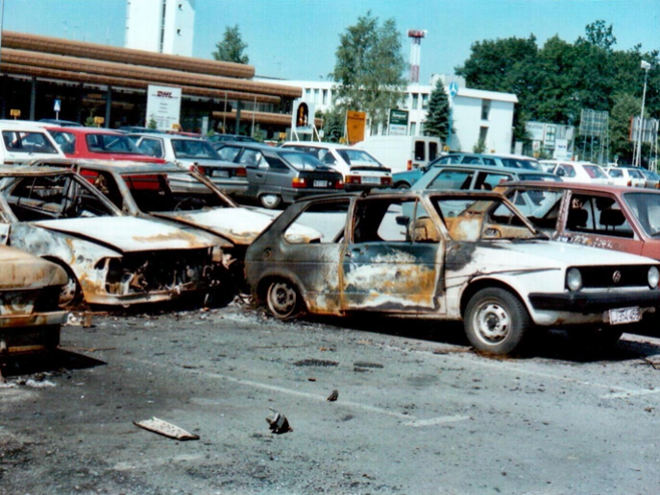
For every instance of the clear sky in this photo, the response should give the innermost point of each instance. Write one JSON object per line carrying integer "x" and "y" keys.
{"x": 297, "y": 39}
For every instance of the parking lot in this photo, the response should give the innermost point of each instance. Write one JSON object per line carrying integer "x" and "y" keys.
{"x": 416, "y": 411}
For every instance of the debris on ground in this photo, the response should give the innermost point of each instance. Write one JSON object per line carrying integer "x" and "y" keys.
{"x": 166, "y": 429}
{"x": 278, "y": 423}
{"x": 654, "y": 361}
{"x": 333, "y": 396}
{"x": 80, "y": 319}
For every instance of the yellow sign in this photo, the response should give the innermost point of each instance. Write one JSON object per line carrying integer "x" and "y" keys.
{"x": 99, "y": 120}
{"x": 355, "y": 124}
{"x": 15, "y": 112}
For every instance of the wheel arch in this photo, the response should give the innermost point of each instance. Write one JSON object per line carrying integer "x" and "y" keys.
{"x": 487, "y": 283}
{"x": 263, "y": 283}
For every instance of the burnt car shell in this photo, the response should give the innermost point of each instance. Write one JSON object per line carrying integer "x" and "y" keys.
{"x": 29, "y": 291}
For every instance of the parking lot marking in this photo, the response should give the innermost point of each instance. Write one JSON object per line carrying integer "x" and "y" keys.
{"x": 436, "y": 421}
{"x": 631, "y": 393}
{"x": 283, "y": 390}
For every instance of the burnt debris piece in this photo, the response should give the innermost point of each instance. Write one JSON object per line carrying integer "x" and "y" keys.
{"x": 333, "y": 396}
{"x": 278, "y": 423}
{"x": 166, "y": 429}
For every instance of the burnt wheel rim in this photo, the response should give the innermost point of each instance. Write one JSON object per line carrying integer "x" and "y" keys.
{"x": 282, "y": 299}
{"x": 492, "y": 323}
{"x": 68, "y": 292}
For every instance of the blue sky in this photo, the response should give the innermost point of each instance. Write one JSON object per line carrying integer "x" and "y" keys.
{"x": 297, "y": 39}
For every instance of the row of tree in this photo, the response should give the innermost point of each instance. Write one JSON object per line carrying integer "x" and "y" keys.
{"x": 553, "y": 82}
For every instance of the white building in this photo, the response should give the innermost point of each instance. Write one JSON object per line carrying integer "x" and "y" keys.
{"x": 476, "y": 114}
{"x": 163, "y": 26}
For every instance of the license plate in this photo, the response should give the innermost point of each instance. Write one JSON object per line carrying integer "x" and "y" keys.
{"x": 624, "y": 315}
{"x": 320, "y": 183}
{"x": 219, "y": 173}
{"x": 371, "y": 180}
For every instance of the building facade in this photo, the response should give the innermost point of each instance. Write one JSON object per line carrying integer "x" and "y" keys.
{"x": 479, "y": 118}
{"x": 162, "y": 26}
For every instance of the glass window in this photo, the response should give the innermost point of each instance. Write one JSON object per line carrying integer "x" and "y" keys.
{"x": 415, "y": 101}
{"x": 425, "y": 101}
{"x": 420, "y": 150}
{"x": 601, "y": 215}
{"x": 65, "y": 140}
{"x": 485, "y": 109}
{"x": 228, "y": 153}
{"x": 452, "y": 179}
{"x": 151, "y": 147}
{"x": 646, "y": 208}
{"x": 110, "y": 143}
{"x": 193, "y": 148}
{"x": 616, "y": 173}
{"x": 433, "y": 150}
{"x": 334, "y": 214}
{"x": 27, "y": 142}
{"x": 595, "y": 172}
{"x": 250, "y": 158}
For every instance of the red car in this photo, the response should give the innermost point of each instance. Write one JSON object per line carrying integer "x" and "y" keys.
{"x": 98, "y": 143}
{"x": 610, "y": 217}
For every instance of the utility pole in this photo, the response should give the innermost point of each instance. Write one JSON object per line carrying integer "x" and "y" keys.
{"x": 637, "y": 155}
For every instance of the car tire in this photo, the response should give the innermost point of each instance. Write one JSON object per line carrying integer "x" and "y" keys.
{"x": 270, "y": 201}
{"x": 496, "y": 321}
{"x": 401, "y": 185}
{"x": 283, "y": 300}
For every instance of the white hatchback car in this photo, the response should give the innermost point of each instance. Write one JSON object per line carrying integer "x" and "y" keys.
{"x": 361, "y": 170}
{"x": 24, "y": 141}
{"x": 580, "y": 172}
{"x": 629, "y": 177}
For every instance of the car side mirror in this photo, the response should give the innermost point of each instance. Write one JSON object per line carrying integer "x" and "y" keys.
{"x": 402, "y": 220}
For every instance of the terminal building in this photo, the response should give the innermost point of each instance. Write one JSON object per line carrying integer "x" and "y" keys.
{"x": 94, "y": 80}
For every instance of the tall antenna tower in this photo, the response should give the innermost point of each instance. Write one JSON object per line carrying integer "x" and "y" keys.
{"x": 416, "y": 36}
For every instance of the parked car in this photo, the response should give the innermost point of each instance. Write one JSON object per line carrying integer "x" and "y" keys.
{"x": 652, "y": 178}
{"x": 23, "y": 141}
{"x": 61, "y": 123}
{"x": 623, "y": 219}
{"x": 623, "y": 176}
{"x": 279, "y": 176}
{"x": 94, "y": 142}
{"x": 193, "y": 152}
{"x": 581, "y": 172}
{"x": 109, "y": 259}
{"x": 487, "y": 266}
{"x": 361, "y": 170}
{"x": 143, "y": 190}
{"x": 216, "y": 138}
{"x": 30, "y": 318}
{"x": 404, "y": 180}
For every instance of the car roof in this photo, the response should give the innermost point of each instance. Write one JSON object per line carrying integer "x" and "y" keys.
{"x": 317, "y": 144}
{"x": 123, "y": 166}
{"x": 579, "y": 186}
{"x": 165, "y": 135}
{"x": 492, "y": 168}
{"x": 86, "y": 130}
{"x": 31, "y": 170}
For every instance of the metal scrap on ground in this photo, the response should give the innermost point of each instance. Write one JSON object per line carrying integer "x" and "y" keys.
{"x": 166, "y": 429}
{"x": 333, "y": 396}
{"x": 278, "y": 423}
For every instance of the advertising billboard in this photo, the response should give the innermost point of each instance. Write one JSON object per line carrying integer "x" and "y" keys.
{"x": 163, "y": 106}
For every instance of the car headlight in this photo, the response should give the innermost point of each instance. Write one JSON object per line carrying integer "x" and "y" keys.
{"x": 653, "y": 277}
{"x": 574, "y": 279}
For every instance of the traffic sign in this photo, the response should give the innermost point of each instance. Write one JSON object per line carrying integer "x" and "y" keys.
{"x": 57, "y": 106}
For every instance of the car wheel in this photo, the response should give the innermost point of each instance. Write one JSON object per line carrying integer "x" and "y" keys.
{"x": 401, "y": 185}
{"x": 270, "y": 201}
{"x": 496, "y": 321}
{"x": 283, "y": 300}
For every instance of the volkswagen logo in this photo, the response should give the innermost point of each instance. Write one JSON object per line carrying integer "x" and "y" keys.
{"x": 616, "y": 277}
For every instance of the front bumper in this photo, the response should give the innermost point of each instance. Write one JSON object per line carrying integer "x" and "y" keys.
{"x": 585, "y": 302}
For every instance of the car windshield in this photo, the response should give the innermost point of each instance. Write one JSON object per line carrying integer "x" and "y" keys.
{"x": 475, "y": 219}
{"x": 303, "y": 161}
{"x": 595, "y": 172}
{"x": 193, "y": 148}
{"x": 646, "y": 209}
{"x": 110, "y": 143}
{"x": 358, "y": 157}
{"x": 27, "y": 142}
{"x": 152, "y": 194}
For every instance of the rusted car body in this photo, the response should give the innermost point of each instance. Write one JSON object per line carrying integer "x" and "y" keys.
{"x": 143, "y": 190}
{"x": 30, "y": 318}
{"x": 623, "y": 219}
{"x": 110, "y": 260}
{"x": 411, "y": 254}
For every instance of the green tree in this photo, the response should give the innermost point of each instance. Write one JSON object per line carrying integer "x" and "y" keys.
{"x": 333, "y": 124}
{"x": 437, "y": 116}
{"x": 369, "y": 69}
{"x": 625, "y": 107}
{"x": 230, "y": 49}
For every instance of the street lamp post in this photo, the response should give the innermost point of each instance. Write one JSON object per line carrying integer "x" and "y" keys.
{"x": 638, "y": 151}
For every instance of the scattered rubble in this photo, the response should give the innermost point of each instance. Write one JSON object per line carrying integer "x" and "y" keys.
{"x": 166, "y": 429}
{"x": 278, "y": 423}
{"x": 333, "y": 396}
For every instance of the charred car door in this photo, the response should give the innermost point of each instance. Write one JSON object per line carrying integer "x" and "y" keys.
{"x": 393, "y": 258}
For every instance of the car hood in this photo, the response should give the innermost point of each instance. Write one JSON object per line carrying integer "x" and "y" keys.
{"x": 21, "y": 270}
{"x": 127, "y": 234}
{"x": 534, "y": 255}
{"x": 239, "y": 225}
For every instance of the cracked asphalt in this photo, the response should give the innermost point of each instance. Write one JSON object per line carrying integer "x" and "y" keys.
{"x": 416, "y": 410}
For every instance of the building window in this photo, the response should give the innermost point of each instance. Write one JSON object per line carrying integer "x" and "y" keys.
{"x": 415, "y": 101}
{"x": 325, "y": 97}
{"x": 483, "y": 135}
{"x": 162, "y": 26}
{"x": 413, "y": 128}
{"x": 425, "y": 101}
{"x": 485, "y": 109}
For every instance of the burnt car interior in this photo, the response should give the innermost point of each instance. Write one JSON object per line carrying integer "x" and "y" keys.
{"x": 52, "y": 197}
{"x": 152, "y": 192}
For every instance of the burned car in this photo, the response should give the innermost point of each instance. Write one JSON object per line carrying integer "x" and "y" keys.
{"x": 411, "y": 254}
{"x": 30, "y": 318}
{"x": 109, "y": 259}
{"x": 144, "y": 190}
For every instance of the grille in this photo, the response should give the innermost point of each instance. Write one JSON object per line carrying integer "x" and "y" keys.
{"x": 602, "y": 277}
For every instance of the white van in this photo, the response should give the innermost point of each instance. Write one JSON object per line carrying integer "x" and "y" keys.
{"x": 23, "y": 141}
{"x": 401, "y": 153}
